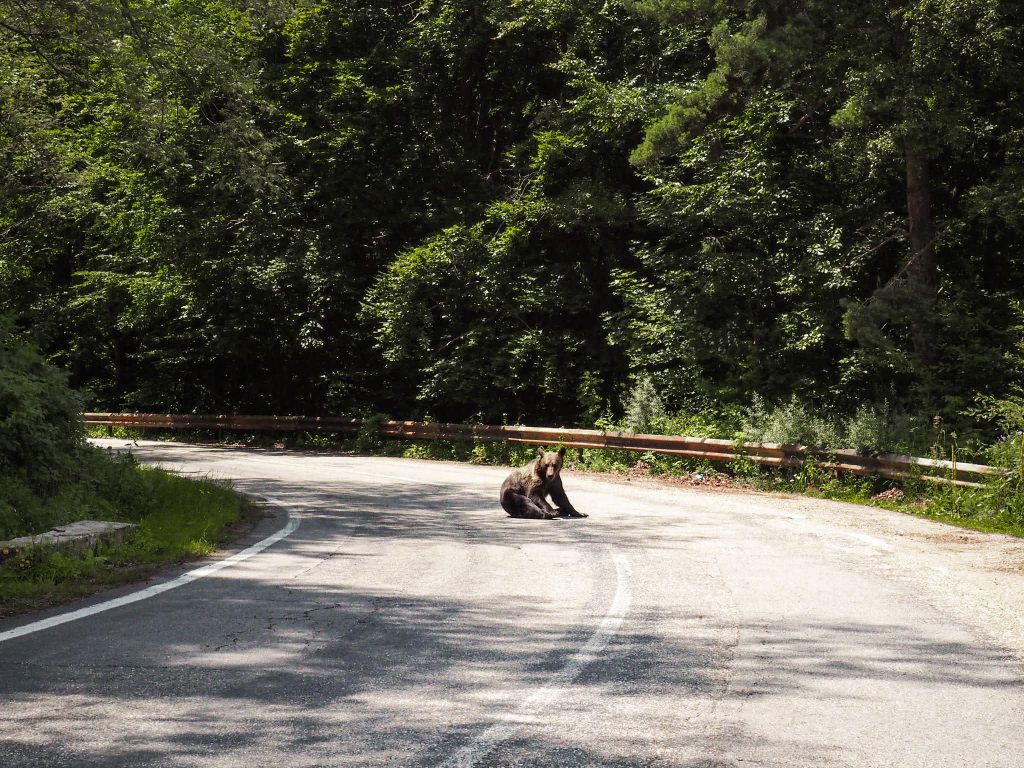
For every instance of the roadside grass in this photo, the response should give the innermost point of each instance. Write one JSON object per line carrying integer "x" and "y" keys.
{"x": 178, "y": 519}
{"x": 998, "y": 507}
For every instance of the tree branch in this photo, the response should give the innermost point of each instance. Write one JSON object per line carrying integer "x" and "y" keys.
{"x": 38, "y": 50}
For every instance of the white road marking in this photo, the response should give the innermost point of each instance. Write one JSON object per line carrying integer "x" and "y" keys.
{"x": 877, "y": 543}
{"x": 537, "y": 704}
{"x": 156, "y": 589}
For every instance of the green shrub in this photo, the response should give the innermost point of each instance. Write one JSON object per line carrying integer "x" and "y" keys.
{"x": 502, "y": 453}
{"x": 1008, "y": 415}
{"x": 645, "y": 412}
{"x": 873, "y": 428}
{"x": 792, "y": 422}
{"x": 40, "y": 426}
{"x": 369, "y": 437}
{"x": 870, "y": 430}
{"x": 702, "y": 423}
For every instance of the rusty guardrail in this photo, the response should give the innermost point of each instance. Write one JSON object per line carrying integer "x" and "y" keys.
{"x": 770, "y": 454}
{"x": 239, "y": 423}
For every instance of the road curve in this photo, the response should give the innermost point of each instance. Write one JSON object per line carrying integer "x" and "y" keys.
{"x": 406, "y": 621}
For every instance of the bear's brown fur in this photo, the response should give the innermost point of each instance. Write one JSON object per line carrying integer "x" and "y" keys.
{"x": 524, "y": 492}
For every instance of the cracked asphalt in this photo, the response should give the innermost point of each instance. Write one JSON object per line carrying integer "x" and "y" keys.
{"x": 408, "y": 621}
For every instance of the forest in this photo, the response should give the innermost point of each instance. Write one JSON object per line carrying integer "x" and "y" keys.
{"x": 519, "y": 211}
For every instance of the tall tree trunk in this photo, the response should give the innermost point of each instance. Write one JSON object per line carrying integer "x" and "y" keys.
{"x": 922, "y": 273}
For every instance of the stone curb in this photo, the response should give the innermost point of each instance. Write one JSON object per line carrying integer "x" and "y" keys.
{"x": 73, "y": 537}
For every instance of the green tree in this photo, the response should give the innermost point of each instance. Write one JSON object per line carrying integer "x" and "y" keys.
{"x": 512, "y": 211}
{"x": 829, "y": 157}
{"x": 503, "y": 316}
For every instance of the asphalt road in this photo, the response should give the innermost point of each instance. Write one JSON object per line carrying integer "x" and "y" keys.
{"x": 406, "y": 621}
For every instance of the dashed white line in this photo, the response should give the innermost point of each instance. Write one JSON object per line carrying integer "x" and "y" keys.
{"x": 541, "y": 700}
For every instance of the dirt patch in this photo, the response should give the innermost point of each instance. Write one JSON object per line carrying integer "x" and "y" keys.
{"x": 952, "y": 538}
{"x": 696, "y": 480}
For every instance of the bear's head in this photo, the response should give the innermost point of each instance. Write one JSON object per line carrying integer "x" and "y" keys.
{"x": 549, "y": 463}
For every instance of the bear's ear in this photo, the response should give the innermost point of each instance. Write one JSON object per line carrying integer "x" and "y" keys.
{"x": 540, "y": 453}
{"x": 561, "y": 451}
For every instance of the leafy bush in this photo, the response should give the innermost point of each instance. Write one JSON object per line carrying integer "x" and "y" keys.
{"x": 441, "y": 450}
{"x": 1008, "y": 414}
{"x": 43, "y": 453}
{"x": 873, "y": 428}
{"x": 703, "y": 424}
{"x": 502, "y": 453}
{"x": 645, "y": 412}
{"x": 369, "y": 437}
{"x": 793, "y": 422}
{"x": 40, "y": 427}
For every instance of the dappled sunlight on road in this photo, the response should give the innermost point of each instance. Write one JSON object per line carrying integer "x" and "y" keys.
{"x": 401, "y": 621}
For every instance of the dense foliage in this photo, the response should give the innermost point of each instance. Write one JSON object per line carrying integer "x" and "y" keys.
{"x": 40, "y": 431}
{"x": 516, "y": 210}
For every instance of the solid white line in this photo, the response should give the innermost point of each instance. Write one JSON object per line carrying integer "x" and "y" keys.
{"x": 534, "y": 708}
{"x": 156, "y": 589}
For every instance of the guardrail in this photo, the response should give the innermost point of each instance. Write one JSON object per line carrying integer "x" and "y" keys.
{"x": 770, "y": 454}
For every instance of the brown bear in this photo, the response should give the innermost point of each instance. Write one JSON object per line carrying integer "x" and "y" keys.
{"x": 523, "y": 492}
